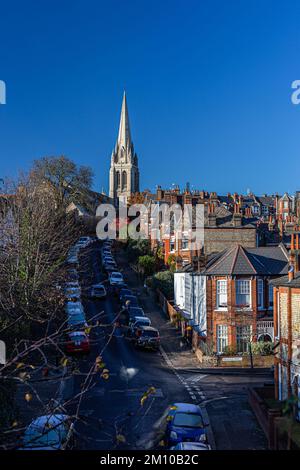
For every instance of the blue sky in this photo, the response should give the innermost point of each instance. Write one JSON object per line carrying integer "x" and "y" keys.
{"x": 208, "y": 86}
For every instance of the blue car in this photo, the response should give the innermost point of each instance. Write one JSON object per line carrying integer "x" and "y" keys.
{"x": 76, "y": 320}
{"x": 185, "y": 424}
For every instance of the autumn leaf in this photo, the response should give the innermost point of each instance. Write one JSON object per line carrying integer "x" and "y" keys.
{"x": 143, "y": 399}
{"x": 24, "y": 375}
{"x": 28, "y": 397}
{"x": 120, "y": 438}
{"x": 64, "y": 361}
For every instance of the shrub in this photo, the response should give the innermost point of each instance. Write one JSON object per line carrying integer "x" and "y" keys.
{"x": 137, "y": 248}
{"x": 146, "y": 264}
{"x": 263, "y": 348}
{"x": 164, "y": 281}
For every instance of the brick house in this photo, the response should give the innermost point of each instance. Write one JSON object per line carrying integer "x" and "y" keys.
{"x": 287, "y": 327}
{"x": 237, "y": 301}
{"x": 222, "y": 229}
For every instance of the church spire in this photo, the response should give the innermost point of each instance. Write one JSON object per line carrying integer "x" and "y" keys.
{"x": 124, "y": 137}
{"x": 124, "y": 171}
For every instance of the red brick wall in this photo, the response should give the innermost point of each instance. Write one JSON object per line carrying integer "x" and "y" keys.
{"x": 230, "y": 317}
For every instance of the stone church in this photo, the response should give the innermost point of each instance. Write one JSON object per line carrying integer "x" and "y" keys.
{"x": 124, "y": 171}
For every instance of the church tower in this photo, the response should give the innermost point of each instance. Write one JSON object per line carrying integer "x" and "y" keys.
{"x": 124, "y": 172}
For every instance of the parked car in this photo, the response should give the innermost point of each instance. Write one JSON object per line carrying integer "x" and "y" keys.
{"x": 185, "y": 423}
{"x": 123, "y": 292}
{"x": 86, "y": 240}
{"x": 72, "y": 260}
{"x": 109, "y": 261}
{"x": 117, "y": 289}
{"x": 129, "y": 301}
{"x": 146, "y": 337}
{"x": 186, "y": 446}
{"x": 74, "y": 307}
{"x": 72, "y": 284}
{"x": 77, "y": 342}
{"x": 77, "y": 320}
{"x": 49, "y": 432}
{"x": 109, "y": 268}
{"x": 115, "y": 278}
{"x": 128, "y": 313}
{"x": 72, "y": 293}
{"x": 137, "y": 322}
{"x": 98, "y": 291}
{"x": 73, "y": 274}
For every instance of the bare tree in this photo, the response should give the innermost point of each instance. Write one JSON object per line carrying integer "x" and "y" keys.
{"x": 65, "y": 178}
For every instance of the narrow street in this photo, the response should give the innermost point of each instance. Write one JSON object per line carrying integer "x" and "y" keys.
{"x": 111, "y": 412}
{"x": 112, "y": 407}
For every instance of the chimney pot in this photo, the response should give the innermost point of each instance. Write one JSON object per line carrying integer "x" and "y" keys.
{"x": 291, "y": 273}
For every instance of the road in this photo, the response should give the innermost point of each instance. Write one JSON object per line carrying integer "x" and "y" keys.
{"x": 112, "y": 407}
{"x": 111, "y": 412}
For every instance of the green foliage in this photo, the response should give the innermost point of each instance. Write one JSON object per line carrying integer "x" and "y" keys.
{"x": 171, "y": 262}
{"x": 137, "y": 248}
{"x": 164, "y": 281}
{"x": 262, "y": 348}
{"x": 147, "y": 264}
{"x": 230, "y": 351}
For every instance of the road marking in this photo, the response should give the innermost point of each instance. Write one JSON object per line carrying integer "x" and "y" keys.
{"x": 188, "y": 384}
{"x": 198, "y": 378}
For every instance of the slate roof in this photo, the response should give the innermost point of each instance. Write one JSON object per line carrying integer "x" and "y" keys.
{"x": 284, "y": 281}
{"x": 266, "y": 200}
{"x": 261, "y": 261}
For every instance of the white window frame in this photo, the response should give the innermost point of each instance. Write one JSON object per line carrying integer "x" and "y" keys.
{"x": 243, "y": 337}
{"x": 243, "y": 287}
{"x": 221, "y": 291}
{"x": 260, "y": 294}
{"x": 222, "y": 338}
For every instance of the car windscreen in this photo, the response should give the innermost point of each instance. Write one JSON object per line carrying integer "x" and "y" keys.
{"x": 188, "y": 420}
{"x": 142, "y": 322}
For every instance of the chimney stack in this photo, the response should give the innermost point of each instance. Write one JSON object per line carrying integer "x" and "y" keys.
{"x": 212, "y": 218}
{"x": 237, "y": 216}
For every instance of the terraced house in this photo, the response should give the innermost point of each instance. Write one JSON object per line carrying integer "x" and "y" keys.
{"x": 234, "y": 299}
{"x": 287, "y": 328}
